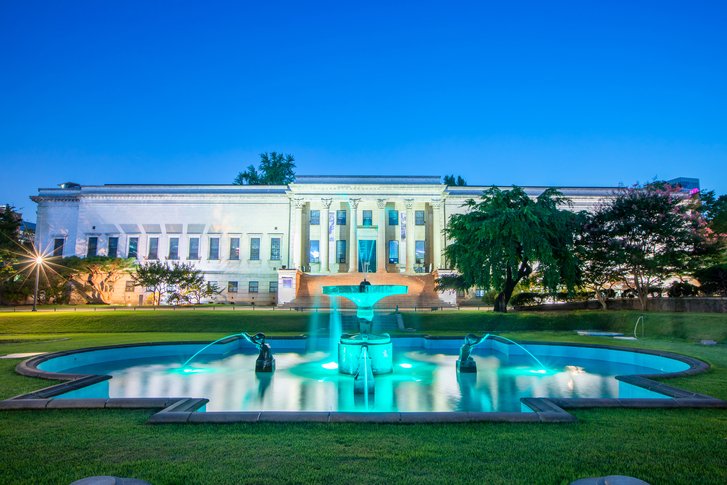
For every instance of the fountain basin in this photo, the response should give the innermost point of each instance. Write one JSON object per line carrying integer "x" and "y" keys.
{"x": 379, "y": 349}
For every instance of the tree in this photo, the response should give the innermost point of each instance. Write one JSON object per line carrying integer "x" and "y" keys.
{"x": 451, "y": 181}
{"x": 713, "y": 280}
{"x": 594, "y": 251}
{"x": 714, "y": 211}
{"x": 505, "y": 236}
{"x": 275, "y": 169}
{"x": 154, "y": 277}
{"x": 652, "y": 236}
{"x": 95, "y": 277}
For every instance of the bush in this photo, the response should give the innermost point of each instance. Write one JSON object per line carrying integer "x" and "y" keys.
{"x": 680, "y": 289}
{"x": 713, "y": 280}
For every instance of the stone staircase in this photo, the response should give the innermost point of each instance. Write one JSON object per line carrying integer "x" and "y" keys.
{"x": 421, "y": 293}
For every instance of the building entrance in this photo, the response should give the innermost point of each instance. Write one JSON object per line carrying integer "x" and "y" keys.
{"x": 367, "y": 256}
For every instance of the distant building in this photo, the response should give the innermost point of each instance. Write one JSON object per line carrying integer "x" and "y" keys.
{"x": 274, "y": 244}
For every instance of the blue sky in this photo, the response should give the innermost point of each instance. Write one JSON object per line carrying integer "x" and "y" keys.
{"x": 527, "y": 93}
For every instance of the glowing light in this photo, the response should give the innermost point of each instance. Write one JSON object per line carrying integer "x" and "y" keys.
{"x": 538, "y": 371}
{"x": 405, "y": 366}
{"x": 39, "y": 259}
{"x": 330, "y": 365}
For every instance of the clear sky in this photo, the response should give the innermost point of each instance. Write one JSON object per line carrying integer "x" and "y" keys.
{"x": 527, "y": 93}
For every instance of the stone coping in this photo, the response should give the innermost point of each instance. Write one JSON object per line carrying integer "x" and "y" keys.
{"x": 186, "y": 409}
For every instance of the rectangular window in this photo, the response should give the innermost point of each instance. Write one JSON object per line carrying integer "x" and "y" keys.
{"x": 232, "y": 287}
{"x": 214, "y": 248}
{"x": 113, "y": 247}
{"x": 419, "y": 218}
{"x": 341, "y": 251}
{"x": 273, "y": 288}
{"x": 58, "y": 247}
{"x": 254, "y": 248}
{"x": 92, "y": 247}
{"x": 129, "y": 288}
{"x": 367, "y": 218}
{"x": 479, "y": 293}
{"x": 393, "y": 217}
{"x": 193, "y": 248}
{"x": 133, "y": 247}
{"x": 275, "y": 249}
{"x": 394, "y": 252}
{"x": 252, "y": 287}
{"x": 235, "y": 248}
{"x": 173, "y": 248}
{"x": 287, "y": 282}
{"x": 314, "y": 255}
{"x": 153, "y": 248}
{"x": 341, "y": 218}
{"x": 315, "y": 218}
{"x": 419, "y": 252}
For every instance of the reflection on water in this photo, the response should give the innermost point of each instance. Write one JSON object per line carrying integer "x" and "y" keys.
{"x": 421, "y": 381}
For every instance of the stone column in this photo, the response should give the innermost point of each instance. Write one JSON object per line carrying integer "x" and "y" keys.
{"x": 353, "y": 236}
{"x": 297, "y": 235}
{"x": 436, "y": 234}
{"x": 325, "y": 243}
{"x": 381, "y": 237}
{"x": 410, "y": 238}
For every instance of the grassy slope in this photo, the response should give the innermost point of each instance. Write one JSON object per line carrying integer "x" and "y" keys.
{"x": 660, "y": 446}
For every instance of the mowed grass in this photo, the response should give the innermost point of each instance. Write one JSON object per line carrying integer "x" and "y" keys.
{"x": 656, "y": 445}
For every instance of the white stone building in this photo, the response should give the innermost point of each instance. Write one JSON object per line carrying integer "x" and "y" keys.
{"x": 271, "y": 244}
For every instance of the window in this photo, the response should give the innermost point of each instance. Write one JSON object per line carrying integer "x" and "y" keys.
{"x": 129, "y": 288}
{"x": 419, "y": 252}
{"x": 315, "y": 218}
{"x": 393, "y": 217}
{"x": 232, "y": 287}
{"x": 275, "y": 249}
{"x": 92, "y": 247}
{"x": 273, "y": 288}
{"x": 419, "y": 218}
{"x": 193, "y": 248}
{"x": 367, "y": 216}
{"x": 173, "y": 248}
{"x": 133, "y": 247}
{"x": 393, "y": 252}
{"x": 287, "y": 282}
{"x": 214, "y": 248}
{"x": 314, "y": 255}
{"x": 153, "y": 248}
{"x": 235, "y": 248}
{"x": 479, "y": 293}
{"x": 58, "y": 247}
{"x": 113, "y": 247}
{"x": 252, "y": 287}
{"x": 341, "y": 218}
{"x": 341, "y": 251}
{"x": 255, "y": 249}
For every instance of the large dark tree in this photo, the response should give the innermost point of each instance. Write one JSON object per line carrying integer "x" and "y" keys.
{"x": 599, "y": 268}
{"x": 274, "y": 169}
{"x": 95, "y": 277}
{"x": 452, "y": 181}
{"x": 653, "y": 236}
{"x": 506, "y": 236}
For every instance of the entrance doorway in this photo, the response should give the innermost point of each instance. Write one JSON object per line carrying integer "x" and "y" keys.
{"x": 367, "y": 256}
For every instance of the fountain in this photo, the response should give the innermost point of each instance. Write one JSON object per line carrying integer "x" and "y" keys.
{"x": 364, "y": 354}
{"x": 265, "y": 361}
{"x": 465, "y": 362}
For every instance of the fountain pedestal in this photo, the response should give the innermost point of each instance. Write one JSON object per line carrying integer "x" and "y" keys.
{"x": 379, "y": 350}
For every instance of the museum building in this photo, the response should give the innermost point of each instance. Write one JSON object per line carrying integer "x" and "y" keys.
{"x": 273, "y": 244}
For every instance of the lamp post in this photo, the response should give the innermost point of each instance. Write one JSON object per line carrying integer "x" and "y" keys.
{"x": 38, "y": 263}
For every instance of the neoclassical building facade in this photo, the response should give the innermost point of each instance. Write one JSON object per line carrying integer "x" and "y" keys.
{"x": 261, "y": 243}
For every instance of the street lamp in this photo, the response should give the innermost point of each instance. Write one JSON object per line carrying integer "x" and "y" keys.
{"x": 38, "y": 264}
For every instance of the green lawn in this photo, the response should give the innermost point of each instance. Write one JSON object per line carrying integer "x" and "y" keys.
{"x": 659, "y": 446}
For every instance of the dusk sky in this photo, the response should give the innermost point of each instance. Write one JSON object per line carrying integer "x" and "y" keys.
{"x": 528, "y": 93}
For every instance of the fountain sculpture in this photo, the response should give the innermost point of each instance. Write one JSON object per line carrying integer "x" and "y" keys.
{"x": 265, "y": 361}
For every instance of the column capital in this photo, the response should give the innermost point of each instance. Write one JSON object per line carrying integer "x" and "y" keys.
{"x": 436, "y": 203}
{"x": 381, "y": 203}
{"x": 326, "y": 202}
{"x": 354, "y": 203}
{"x": 298, "y": 203}
{"x": 409, "y": 204}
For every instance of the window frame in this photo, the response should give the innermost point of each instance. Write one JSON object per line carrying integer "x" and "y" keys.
{"x": 315, "y": 221}
{"x": 393, "y": 243}
{"x": 133, "y": 242}
{"x": 216, "y": 246}
{"x": 115, "y": 246}
{"x": 58, "y": 248}
{"x": 253, "y": 284}
{"x": 341, "y": 243}
{"x": 423, "y": 220}
{"x": 175, "y": 246}
{"x": 189, "y": 249}
{"x": 94, "y": 245}
{"x": 235, "y": 256}
{"x": 279, "y": 248}
{"x": 231, "y": 285}
{"x": 253, "y": 248}
{"x": 311, "y": 258}
{"x": 153, "y": 242}
{"x": 395, "y": 220}
{"x": 341, "y": 217}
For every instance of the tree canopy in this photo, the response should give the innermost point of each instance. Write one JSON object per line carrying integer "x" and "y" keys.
{"x": 274, "y": 169}
{"x": 452, "y": 181}
{"x": 506, "y": 236}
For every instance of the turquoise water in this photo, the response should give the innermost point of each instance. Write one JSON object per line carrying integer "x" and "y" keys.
{"x": 424, "y": 377}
